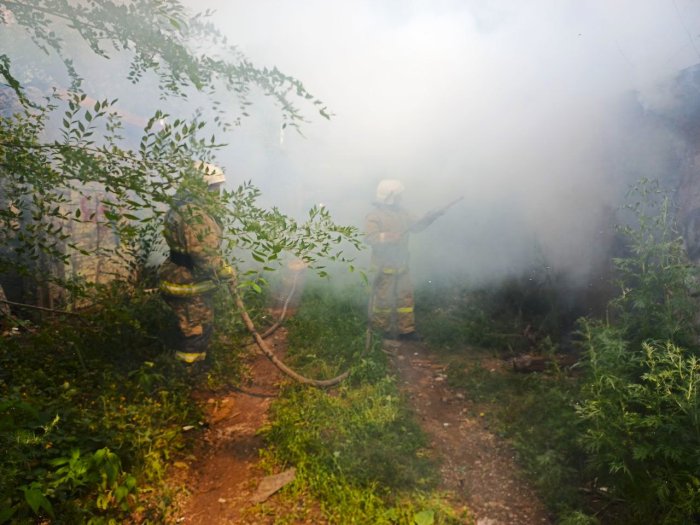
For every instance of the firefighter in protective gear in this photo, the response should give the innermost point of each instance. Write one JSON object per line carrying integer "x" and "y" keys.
{"x": 195, "y": 266}
{"x": 387, "y": 230}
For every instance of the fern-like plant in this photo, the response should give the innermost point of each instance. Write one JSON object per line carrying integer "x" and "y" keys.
{"x": 640, "y": 409}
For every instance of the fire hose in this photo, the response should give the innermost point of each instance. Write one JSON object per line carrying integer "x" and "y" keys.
{"x": 267, "y": 351}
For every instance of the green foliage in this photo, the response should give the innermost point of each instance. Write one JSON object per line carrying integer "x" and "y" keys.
{"x": 359, "y": 453}
{"x": 62, "y": 145}
{"x": 514, "y": 315}
{"x": 37, "y": 217}
{"x": 328, "y": 335}
{"x": 656, "y": 278}
{"x": 639, "y": 405}
{"x": 159, "y": 37}
{"x": 450, "y": 317}
{"x": 642, "y": 415}
{"x": 337, "y": 429}
{"x": 627, "y": 428}
{"x": 91, "y": 408}
{"x": 91, "y": 414}
{"x": 265, "y": 236}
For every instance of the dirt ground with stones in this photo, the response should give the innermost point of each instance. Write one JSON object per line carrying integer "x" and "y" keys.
{"x": 478, "y": 471}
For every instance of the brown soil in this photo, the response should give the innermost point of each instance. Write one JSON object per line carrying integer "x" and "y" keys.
{"x": 226, "y": 472}
{"x": 478, "y": 470}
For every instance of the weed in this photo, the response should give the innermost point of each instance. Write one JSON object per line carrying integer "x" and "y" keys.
{"x": 656, "y": 278}
{"x": 627, "y": 428}
{"x": 640, "y": 404}
{"x": 509, "y": 317}
{"x": 642, "y": 416}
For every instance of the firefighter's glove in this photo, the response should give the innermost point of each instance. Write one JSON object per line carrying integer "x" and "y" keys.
{"x": 226, "y": 273}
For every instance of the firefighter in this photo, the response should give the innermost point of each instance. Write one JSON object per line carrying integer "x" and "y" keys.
{"x": 387, "y": 230}
{"x": 195, "y": 266}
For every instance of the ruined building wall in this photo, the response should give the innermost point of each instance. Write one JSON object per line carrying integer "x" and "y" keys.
{"x": 106, "y": 258}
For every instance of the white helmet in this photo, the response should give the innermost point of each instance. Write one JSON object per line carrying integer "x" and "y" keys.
{"x": 210, "y": 173}
{"x": 388, "y": 190}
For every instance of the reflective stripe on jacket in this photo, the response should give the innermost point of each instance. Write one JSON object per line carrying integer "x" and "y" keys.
{"x": 187, "y": 290}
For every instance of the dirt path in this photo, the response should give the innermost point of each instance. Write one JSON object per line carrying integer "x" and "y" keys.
{"x": 224, "y": 478}
{"x": 478, "y": 470}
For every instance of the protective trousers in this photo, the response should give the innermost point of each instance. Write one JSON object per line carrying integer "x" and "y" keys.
{"x": 194, "y": 312}
{"x": 392, "y": 302}
{"x": 195, "y": 317}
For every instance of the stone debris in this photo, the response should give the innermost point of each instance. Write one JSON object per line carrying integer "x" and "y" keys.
{"x": 271, "y": 484}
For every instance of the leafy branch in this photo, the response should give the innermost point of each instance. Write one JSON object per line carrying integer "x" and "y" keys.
{"x": 162, "y": 39}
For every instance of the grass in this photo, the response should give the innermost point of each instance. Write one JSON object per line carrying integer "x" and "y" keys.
{"x": 92, "y": 411}
{"x": 359, "y": 452}
{"x": 536, "y": 413}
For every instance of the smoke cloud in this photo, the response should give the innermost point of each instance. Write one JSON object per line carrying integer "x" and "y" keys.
{"x": 528, "y": 109}
{"x": 533, "y": 111}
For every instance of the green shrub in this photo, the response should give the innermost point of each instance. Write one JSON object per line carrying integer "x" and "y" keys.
{"x": 642, "y": 416}
{"x": 639, "y": 403}
{"x": 655, "y": 278}
{"x": 91, "y": 411}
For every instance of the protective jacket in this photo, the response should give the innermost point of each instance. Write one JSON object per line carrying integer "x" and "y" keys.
{"x": 193, "y": 269}
{"x": 387, "y": 230}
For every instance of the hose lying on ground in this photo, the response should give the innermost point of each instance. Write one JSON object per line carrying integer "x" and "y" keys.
{"x": 271, "y": 330}
{"x": 323, "y": 383}
{"x": 267, "y": 351}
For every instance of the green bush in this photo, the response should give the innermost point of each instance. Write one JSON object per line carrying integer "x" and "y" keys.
{"x": 642, "y": 416}
{"x": 91, "y": 412}
{"x": 655, "y": 278}
{"x": 639, "y": 404}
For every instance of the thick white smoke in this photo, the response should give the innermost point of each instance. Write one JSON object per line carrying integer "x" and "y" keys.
{"x": 518, "y": 106}
{"x": 530, "y": 110}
